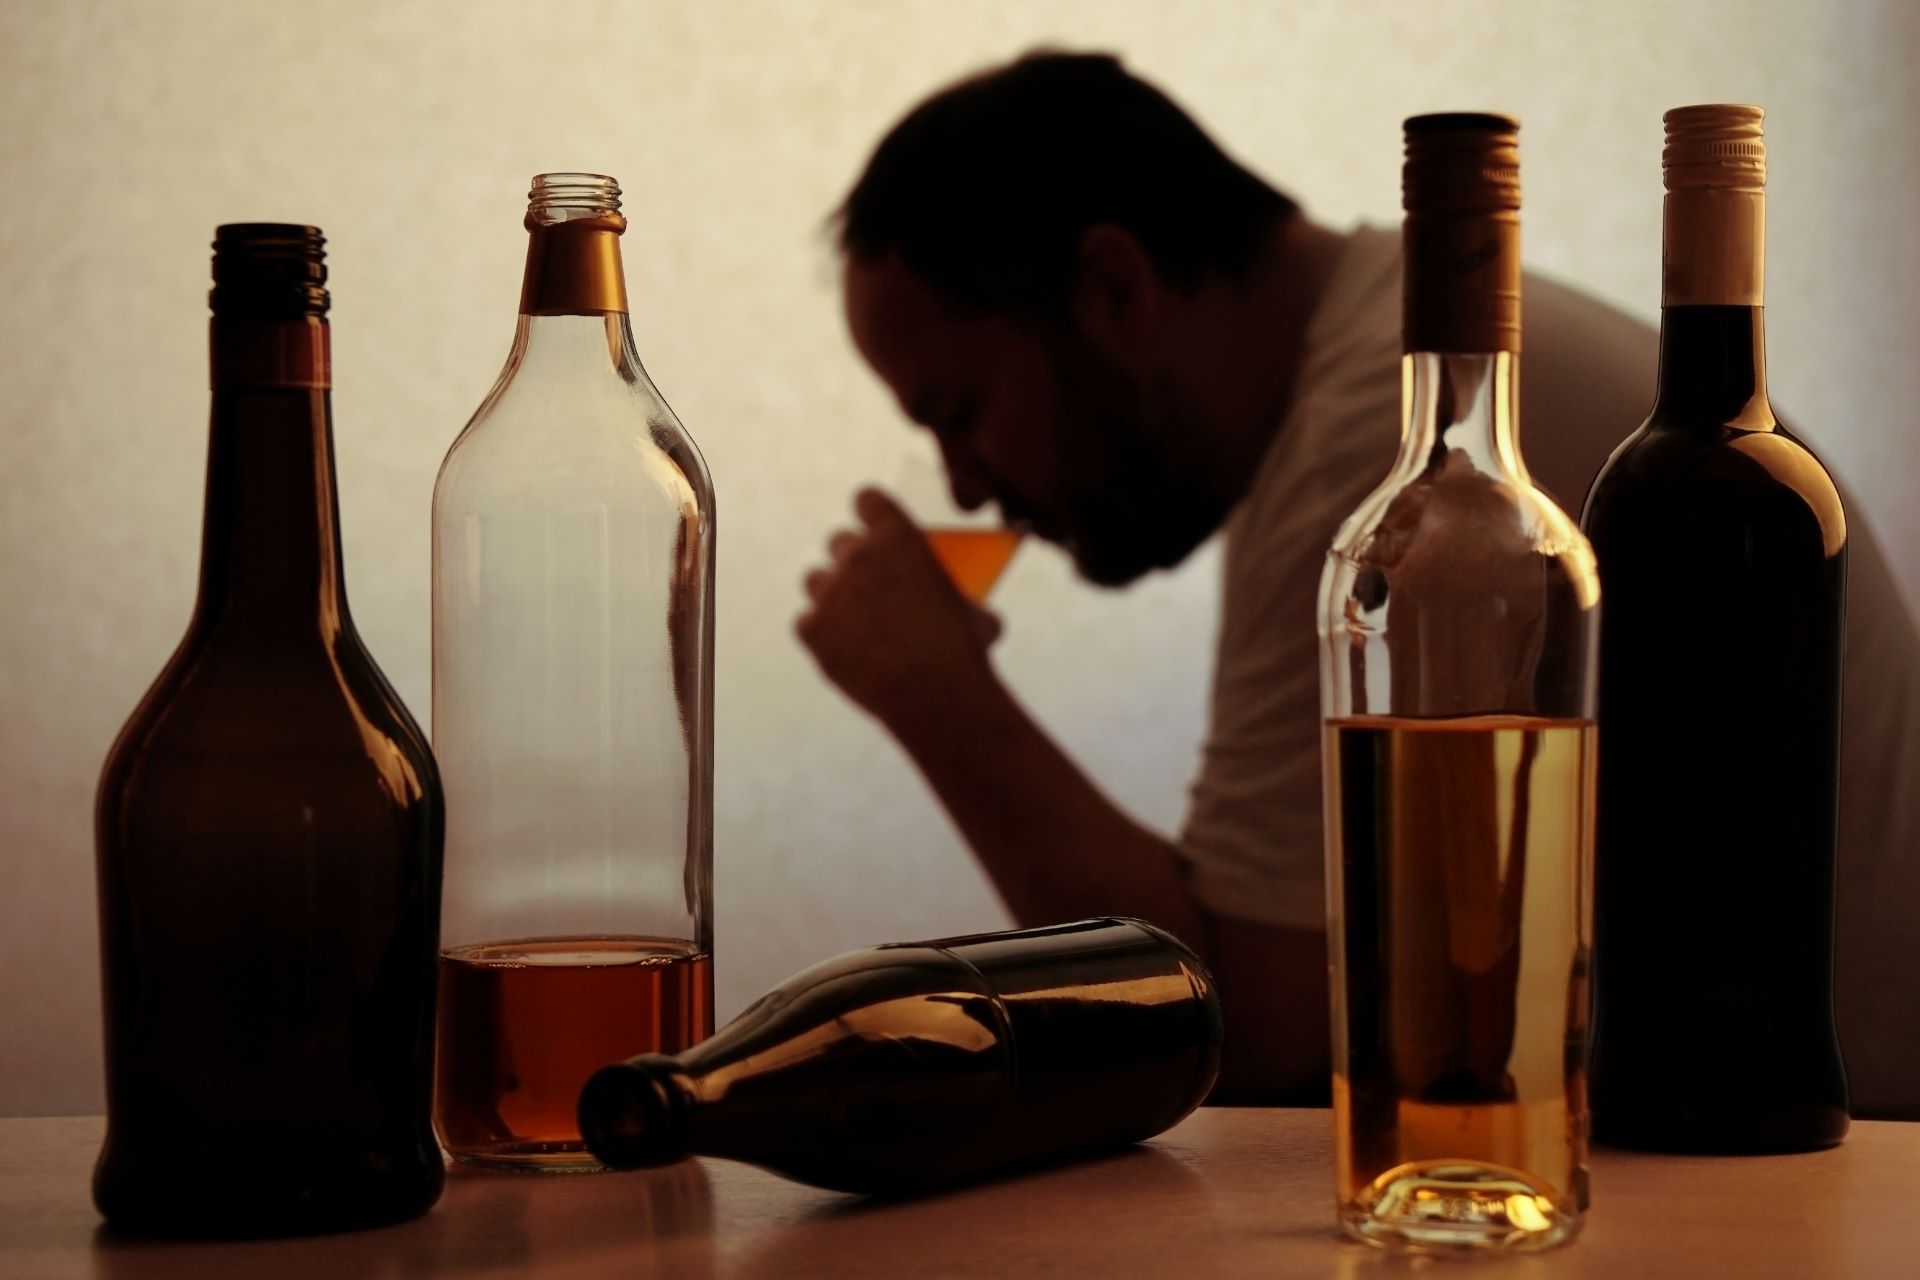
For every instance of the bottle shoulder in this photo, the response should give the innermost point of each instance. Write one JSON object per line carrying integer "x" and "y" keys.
{"x": 269, "y": 714}
{"x": 607, "y": 445}
{"x": 1726, "y": 477}
{"x": 1458, "y": 522}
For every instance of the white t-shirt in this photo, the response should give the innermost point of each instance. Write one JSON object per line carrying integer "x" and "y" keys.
{"x": 1253, "y": 833}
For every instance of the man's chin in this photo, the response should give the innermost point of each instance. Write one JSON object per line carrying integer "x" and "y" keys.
{"x": 1105, "y": 569}
{"x": 1117, "y": 562}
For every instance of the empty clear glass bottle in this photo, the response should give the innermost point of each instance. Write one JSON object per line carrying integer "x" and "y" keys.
{"x": 573, "y": 535}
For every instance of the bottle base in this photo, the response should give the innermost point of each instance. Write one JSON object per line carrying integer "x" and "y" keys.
{"x": 185, "y": 1203}
{"x": 1453, "y": 1206}
{"x": 531, "y": 1157}
{"x": 1659, "y": 1120}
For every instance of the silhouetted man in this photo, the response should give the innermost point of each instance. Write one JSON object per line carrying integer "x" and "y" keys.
{"x": 1128, "y": 343}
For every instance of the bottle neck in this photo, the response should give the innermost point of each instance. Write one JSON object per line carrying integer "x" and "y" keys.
{"x": 1461, "y": 334}
{"x": 639, "y": 1113}
{"x": 569, "y": 348}
{"x": 1713, "y": 368}
{"x": 270, "y": 552}
{"x": 1460, "y": 281}
{"x": 1461, "y": 411}
{"x": 573, "y": 302}
{"x": 573, "y": 267}
{"x": 1713, "y": 364}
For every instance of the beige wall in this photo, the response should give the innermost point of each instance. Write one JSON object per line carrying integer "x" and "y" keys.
{"x": 408, "y": 131}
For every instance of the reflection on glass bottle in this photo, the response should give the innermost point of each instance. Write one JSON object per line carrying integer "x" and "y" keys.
{"x": 1458, "y": 613}
{"x": 910, "y": 1066}
{"x": 573, "y": 530}
{"x": 269, "y": 837}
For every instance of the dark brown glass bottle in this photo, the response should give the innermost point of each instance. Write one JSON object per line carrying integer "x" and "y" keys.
{"x": 268, "y": 833}
{"x": 1722, "y": 547}
{"x": 915, "y": 1065}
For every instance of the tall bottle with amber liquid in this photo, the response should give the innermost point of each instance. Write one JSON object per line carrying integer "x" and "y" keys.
{"x": 269, "y": 836}
{"x": 573, "y": 527}
{"x": 1723, "y": 549}
{"x": 1458, "y": 619}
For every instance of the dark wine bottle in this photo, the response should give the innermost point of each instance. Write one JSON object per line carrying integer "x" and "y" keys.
{"x": 1723, "y": 551}
{"x": 268, "y": 833}
{"x": 906, "y": 1067}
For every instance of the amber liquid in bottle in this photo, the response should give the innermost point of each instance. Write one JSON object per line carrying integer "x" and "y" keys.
{"x": 523, "y": 1024}
{"x": 1460, "y": 843}
{"x": 573, "y": 563}
{"x": 974, "y": 558}
{"x": 269, "y": 838}
{"x": 1458, "y": 616}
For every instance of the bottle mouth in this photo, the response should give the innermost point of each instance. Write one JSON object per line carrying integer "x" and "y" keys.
{"x": 633, "y": 1114}
{"x": 269, "y": 271}
{"x": 558, "y": 198}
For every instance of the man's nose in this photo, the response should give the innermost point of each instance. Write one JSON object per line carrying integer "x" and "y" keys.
{"x": 968, "y": 495}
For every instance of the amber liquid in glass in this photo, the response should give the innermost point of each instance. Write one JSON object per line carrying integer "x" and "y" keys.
{"x": 523, "y": 1024}
{"x": 974, "y": 558}
{"x": 1464, "y": 930}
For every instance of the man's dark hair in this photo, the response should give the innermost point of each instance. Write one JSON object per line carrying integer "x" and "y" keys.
{"x": 985, "y": 189}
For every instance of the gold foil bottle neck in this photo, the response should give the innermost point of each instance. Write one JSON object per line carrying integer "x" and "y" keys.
{"x": 573, "y": 247}
{"x": 1461, "y": 189}
{"x": 1720, "y": 146}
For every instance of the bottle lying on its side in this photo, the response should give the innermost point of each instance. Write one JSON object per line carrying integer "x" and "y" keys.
{"x": 905, "y": 1067}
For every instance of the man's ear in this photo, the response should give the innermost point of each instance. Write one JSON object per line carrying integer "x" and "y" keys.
{"x": 1117, "y": 294}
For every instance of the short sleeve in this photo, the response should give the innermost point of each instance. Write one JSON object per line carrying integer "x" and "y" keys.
{"x": 1252, "y": 834}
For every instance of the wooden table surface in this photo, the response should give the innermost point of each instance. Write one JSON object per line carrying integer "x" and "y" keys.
{"x": 1227, "y": 1193}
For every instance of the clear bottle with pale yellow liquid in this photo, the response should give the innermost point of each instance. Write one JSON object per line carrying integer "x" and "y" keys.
{"x": 1458, "y": 618}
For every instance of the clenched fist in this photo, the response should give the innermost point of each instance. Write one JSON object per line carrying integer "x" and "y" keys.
{"x": 886, "y": 624}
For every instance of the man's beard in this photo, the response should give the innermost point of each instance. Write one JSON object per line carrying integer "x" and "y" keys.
{"x": 1139, "y": 498}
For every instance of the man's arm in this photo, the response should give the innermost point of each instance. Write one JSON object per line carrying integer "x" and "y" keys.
{"x": 892, "y": 633}
{"x": 1057, "y": 849}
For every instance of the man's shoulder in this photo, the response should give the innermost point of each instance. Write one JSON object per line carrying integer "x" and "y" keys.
{"x": 1552, "y": 308}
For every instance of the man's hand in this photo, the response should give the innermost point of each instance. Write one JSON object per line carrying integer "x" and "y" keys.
{"x": 889, "y": 628}
{"x": 886, "y": 624}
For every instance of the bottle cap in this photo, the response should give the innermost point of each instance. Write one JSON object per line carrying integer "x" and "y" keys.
{"x": 573, "y": 252}
{"x": 1715, "y": 167}
{"x": 269, "y": 300}
{"x": 1715, "y": 146}
{"x": 1461, "y": 243}
{"x": 269, "y": 271}
{"x": 1461, "y": 162}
